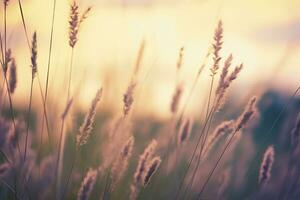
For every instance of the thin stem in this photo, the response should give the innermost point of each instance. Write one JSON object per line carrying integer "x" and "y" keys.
{"x": 217, "y": 163}
{"x": 5, "y": 32}
{"x": 44, "y": 108}
{"x": 193, "y": 86}
{"x": 69, "y": 176}
{"x": 2, "y": 64}
{"x": 208, "y": 117}
{"x": 10, "y": 188}
{"x": 70, "y": 75}
{"x": 214, "y": 107}
{"x": 203, "y": 129}
{"x": 171, "y": 128}
{"x": 28, "y": 118}
{"x": 2, "y": 51}
{"x": 5, "y": 156}
{"x": 29, "y": 47}
{"x": 44, "y": 118}
{"x": 23, "y": 22}
{"x": 58, "y": 161}
{"x": 48, "y": 73}
{"x": 209, "y": 96}
{"x": 62, "y": 127}
{"x": 45, "y": 115}
{"x": 26, "y": 183}
{"x": 200, "y": 155}
{"x": 68, "y": 98}
{"x": 192, "y": 158}
{"x": 188, "y": 98}
{"x": 50, "y": 50}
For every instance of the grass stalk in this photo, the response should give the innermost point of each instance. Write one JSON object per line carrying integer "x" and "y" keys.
{"x": 23, "y": 22}
{"x": 65, "y": 188}
{"x": 70, "y": 75}
{"x": 192, "y": 158}
{"x": 48, "y": 75}
{"x": 217, "y": 163}
{"x": 59, "y": 160}
{"x": 208, "y": 117}
{"x": 28, "y": 118}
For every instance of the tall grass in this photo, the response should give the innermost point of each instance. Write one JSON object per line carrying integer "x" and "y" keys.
{"x": 33, "y": 74}
{"x": 136, "y": 158}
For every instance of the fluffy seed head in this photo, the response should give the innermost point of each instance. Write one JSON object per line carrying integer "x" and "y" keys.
{"x": 128, "y": 98}
{"x": 223, "y": 128}
{"x": 86, "y": 127}
{"x": 87, "y": 185}
{"x": 224, "y": 73}
{"x": 217, "y": 46}
{"x": 184, "y": 131}
{"x": 84, "y": 16}
{"x": 75, "y": 21}
{"x": 224, "y": 85}
{"x": 180, "y": 58}
{"x": 73, "y": 24}
{"x": 266, "y": 165}
{"x": 127, "y": 148}
{"x": 249, "y": 111}
{"x": 120, "y": 165}
{"x": 142, "y": 164}
{"x": 139, "y": 175}
{"x": 34, "y": 55}
{"x": 234, "y": 74}
{"x": 12, "y": 76}
{"x": 176, "y": 99}
{"x": 151, "y": 169}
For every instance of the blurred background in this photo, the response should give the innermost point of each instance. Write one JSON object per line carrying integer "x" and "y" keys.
{"x": 264, "y": 35}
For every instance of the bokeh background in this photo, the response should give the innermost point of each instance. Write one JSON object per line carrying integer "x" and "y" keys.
{"x": 264, "y": 35}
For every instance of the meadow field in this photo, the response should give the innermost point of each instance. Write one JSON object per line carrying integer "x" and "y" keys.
{"x": 149, "y": 99}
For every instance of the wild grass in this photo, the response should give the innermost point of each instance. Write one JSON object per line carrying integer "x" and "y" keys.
{"x": 182, "y": 157}
{"x": 33, "y": 74}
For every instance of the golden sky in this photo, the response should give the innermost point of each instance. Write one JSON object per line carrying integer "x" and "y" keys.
{"x": 264, "y": 35}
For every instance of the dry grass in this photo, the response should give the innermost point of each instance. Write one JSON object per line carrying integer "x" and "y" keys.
{"x": 127, "y": 159}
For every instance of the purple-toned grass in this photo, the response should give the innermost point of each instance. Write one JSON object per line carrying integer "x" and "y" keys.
{"x": 23, "y": 175}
